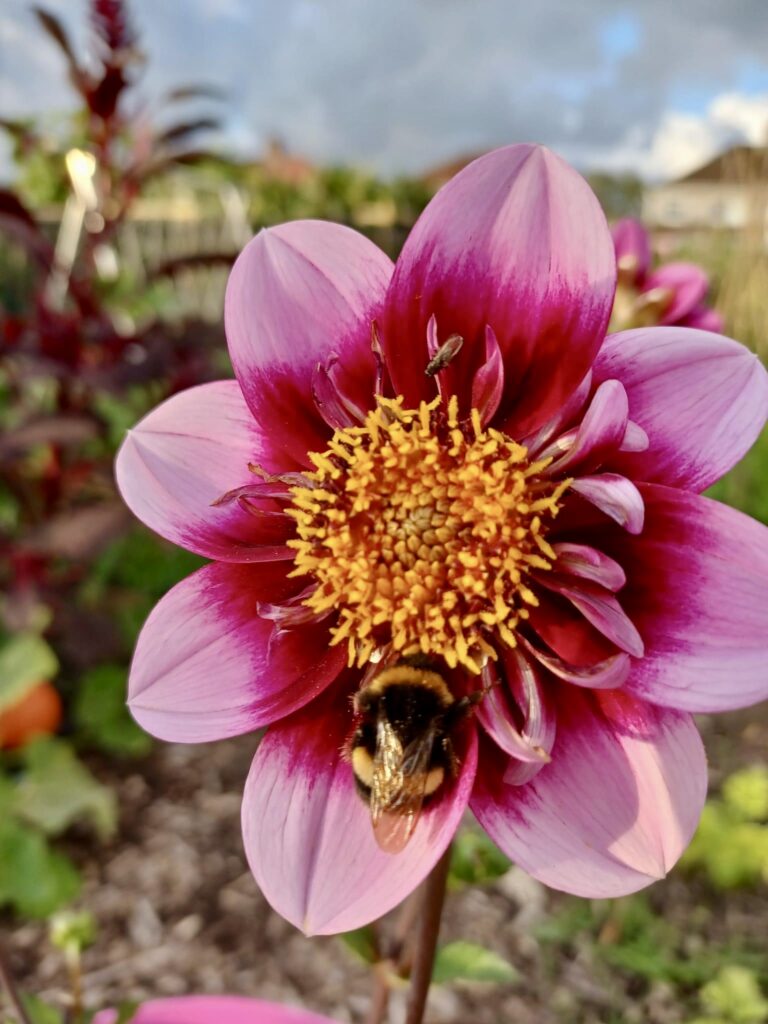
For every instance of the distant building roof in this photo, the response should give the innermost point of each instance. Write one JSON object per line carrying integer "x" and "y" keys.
{"x": 738, "y": 164}
{"x": 281, "y": 165}
{"x": 435, "y": 177}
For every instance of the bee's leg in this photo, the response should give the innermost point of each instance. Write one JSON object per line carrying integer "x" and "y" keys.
{"x": 461, "y": 709}
{"x": 452, "y": 760}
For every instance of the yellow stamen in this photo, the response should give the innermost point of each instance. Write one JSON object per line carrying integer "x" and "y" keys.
{"x": 422, "y": 530}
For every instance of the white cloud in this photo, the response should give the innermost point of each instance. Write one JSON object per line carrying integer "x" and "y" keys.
{"x": 683, "y": 141}
{"x": 747, "y": 114}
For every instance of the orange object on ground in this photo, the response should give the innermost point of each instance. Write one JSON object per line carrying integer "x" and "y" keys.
{"x": 38, "y": 713}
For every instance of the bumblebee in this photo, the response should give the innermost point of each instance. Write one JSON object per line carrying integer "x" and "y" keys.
{"x": 401, "y": 750}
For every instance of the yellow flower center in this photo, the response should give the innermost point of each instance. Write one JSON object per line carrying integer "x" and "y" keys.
{"x": 421, "y": 530}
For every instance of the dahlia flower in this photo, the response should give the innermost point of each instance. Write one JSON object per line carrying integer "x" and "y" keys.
{"x": 526, "y": 518}
{"x": 214, "y": 1010}
{"x": 674, "y": 293}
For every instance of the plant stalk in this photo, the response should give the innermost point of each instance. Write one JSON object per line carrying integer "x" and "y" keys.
{"x": 9, "y": 985}
{"x": 380, "y": 996}
{"x": 426, "y": 942}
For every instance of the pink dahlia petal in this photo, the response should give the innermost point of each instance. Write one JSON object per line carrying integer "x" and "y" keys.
{"x": 207, "y": 666}
{"x": 686, "y": 284}
{"x": 615, "y": 495}
{"x": 516, "y": 241}
{"x": 697, "y": 592}
{"x": 704, "y": 319}
{"x": 301, "y": 294}
{"x": 614, "y": 809}
{"x": 308, "y": 835}
{"x": 702, "y": 399}
{"x": 214, "y": 1010}
{"x": 183, "y": 456}
{"x": 633, "y": 249}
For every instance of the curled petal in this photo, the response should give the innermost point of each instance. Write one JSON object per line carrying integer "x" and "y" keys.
{"x": 615, "y": 495}
{"x": 590, "y": 564}
{"x": 686, "y": 284}
{"x": 600, "y": 608}
{"x": 516, "y": 713}
{"x": 330, "y": 402}
{"x": 205, "y": 666}
{"x": 567, "y": 632}
{"x": 614, "y": 809}
{"x": 308, "y": 835}
{"x": 633, "y": 249}
{"x": 701, "y": 398}
{"x": 291, "y": 612}
{"x": 213, "y": 1010}
{"x": 604, "y": 675}
{"x": 635, "y": 438}
{"x": 263, "y": 489}
{"x": 571, "y": 411}
{"x": 488, "y": 385}
{"x": 176, "y": 464}
{"x": 696, "y": 588}
{"x": 601, "y": 432}
{"x": 297, "y": 295}
{"x": 516, "y": 241}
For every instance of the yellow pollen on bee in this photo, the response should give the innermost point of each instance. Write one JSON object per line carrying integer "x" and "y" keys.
{"x": 422, "y": 530}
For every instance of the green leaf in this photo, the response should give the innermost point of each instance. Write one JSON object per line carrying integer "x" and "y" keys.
{"x": 126, "y": 1012}
{"x": 475, "y": 859}
{"x": 563, "y": 926}
{"x": 742, "y": 860}
{"x": 25, "y": 660}
{"x": 362, "y": 942}
{"x": 464, "y": 961}
{"x": 735, "y": 994}
{"x": 746, "y": 793}
{"x": 100, "y": 713}
{"x": 39, "y": 1012}
{"x": 36, "y": 880}
{"x": 56, "y": 790}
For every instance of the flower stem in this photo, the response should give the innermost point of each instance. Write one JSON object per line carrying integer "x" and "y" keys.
{"x": 426, "y": 942}
{"x": 379, "y": 998}
{"x": 9, "y": 985}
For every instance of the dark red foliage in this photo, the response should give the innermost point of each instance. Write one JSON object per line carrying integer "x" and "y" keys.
{"x": 66, "y": 334}
{"x": 112, "y": 25}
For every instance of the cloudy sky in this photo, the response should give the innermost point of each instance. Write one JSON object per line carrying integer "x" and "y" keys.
{"x": 655, "y": 86}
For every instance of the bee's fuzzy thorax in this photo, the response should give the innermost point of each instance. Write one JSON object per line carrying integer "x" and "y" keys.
{"x": 409, "y": 675}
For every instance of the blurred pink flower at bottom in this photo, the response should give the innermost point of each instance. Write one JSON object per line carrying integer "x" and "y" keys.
{"x": 215, "y": 1010}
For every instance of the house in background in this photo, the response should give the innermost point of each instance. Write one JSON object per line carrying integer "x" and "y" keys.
{"x": 728, "y": 193}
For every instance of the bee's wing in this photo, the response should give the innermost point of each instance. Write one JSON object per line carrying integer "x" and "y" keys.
{"x": 398, "y": 786}
{"x": 387, "y": 769}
